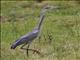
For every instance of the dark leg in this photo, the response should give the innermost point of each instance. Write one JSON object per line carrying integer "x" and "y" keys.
{"x": 22, "y": 47}
{"x": 34, "y": 51}
{"x": 27, "y": 50}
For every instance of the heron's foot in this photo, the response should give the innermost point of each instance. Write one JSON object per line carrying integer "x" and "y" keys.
{"x": 34, "y": 51}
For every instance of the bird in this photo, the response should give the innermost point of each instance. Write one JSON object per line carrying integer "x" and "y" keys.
{"x": 29, "y": 37}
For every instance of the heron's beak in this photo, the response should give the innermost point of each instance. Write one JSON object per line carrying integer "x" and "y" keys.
{"x": 55, "y": 7}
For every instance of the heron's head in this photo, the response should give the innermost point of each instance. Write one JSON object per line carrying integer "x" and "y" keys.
{"x": 48, "y": 7}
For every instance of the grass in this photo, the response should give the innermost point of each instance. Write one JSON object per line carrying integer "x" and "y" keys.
{"x": 59, "y": 37}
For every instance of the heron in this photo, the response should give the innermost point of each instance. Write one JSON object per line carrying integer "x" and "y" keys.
{"x": 29, "y": 37}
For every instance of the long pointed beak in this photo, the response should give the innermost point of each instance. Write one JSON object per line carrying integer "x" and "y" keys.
{"x": 55, "y": 7}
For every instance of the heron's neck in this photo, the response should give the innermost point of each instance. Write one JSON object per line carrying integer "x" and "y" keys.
{"x": 41, "y": 20}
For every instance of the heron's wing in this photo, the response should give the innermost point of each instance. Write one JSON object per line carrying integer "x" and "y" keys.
{"x": 20, "y": 41}
{"x": 28, "y": 37}
{"x": 30, "y": 34}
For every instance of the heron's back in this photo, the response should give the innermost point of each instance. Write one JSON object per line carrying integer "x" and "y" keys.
{"x": 25, "y": 39}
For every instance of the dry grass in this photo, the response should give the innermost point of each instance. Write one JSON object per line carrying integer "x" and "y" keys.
{"x": 60, "y": 34}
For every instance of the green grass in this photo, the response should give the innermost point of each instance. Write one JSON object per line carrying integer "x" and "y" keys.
{"x": 63, "y": 25}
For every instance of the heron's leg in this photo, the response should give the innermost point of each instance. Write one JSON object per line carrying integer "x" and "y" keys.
{"x": 22, "y": 47}
{"x": 27, "y": 49}
{"x": 35, "y": 51}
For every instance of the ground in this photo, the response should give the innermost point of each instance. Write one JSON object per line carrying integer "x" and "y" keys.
{"x": 59, "y": 37}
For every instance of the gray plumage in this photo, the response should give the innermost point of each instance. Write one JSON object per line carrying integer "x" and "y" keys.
{"x": 28, "y": 38}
